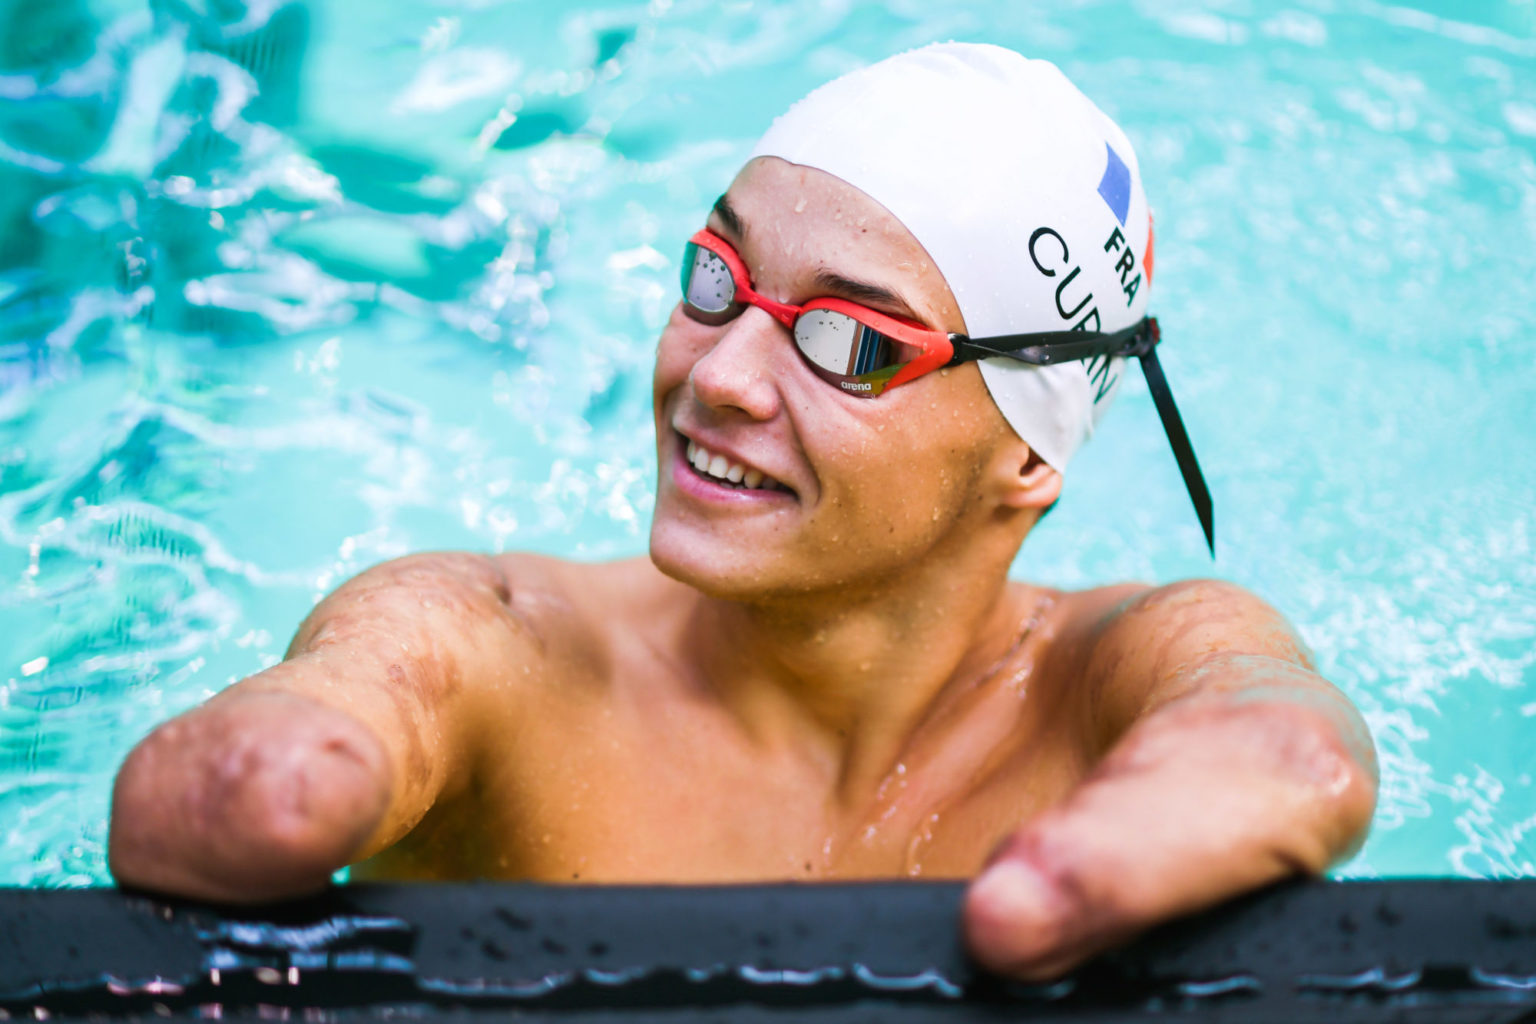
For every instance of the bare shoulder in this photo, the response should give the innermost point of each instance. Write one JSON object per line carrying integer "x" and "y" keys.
{"x": 580, "y": 615}
{"x": 503, "y": 619}
{"x": 1192, "y": 619}
{"x": 1138, "y": 645}
{"x": 1184, "y": 618}
{"x": 455, "y": 594}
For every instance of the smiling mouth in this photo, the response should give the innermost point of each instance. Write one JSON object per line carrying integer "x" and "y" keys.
{"x": 718, "y": 469}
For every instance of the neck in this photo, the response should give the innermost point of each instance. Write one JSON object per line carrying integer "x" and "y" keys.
{"x": 853, "y": 675}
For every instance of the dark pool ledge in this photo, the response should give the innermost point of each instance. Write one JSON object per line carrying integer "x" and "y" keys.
{"x": 1432, "y": 950}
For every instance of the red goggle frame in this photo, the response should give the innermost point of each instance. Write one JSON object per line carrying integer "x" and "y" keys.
{"x": 860, "y": 350}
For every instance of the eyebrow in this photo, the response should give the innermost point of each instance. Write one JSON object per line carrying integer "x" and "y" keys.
{"x": 864, "y": 292}
{"x": 727, "y": 214}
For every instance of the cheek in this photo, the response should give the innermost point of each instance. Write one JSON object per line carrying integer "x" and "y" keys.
{"x": 676, "y": 352}
{"x": 908, "y": 472}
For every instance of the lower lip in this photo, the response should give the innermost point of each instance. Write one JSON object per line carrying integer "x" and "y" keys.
{"x": 696, "y": 485}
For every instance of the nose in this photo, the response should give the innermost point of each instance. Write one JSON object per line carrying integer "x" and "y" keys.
{"x": 738, "y": 371}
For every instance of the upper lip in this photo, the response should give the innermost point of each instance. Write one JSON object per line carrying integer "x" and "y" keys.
{"x": 731, "y": 455}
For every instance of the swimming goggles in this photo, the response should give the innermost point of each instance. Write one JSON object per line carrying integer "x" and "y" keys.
{"x": 865, "y": 352}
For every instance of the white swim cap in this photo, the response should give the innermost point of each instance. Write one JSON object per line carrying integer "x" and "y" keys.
{"x": 1025, "y": 194}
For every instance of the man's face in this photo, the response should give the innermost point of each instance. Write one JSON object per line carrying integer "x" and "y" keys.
{"x": 864, "y": 487}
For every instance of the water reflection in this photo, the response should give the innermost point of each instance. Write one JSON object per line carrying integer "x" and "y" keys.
{"x": 289, "y": 288}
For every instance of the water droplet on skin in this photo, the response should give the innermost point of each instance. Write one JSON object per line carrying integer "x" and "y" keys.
{"x": 914, "y": 848}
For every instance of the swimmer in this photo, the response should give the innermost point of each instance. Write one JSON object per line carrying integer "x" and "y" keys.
{"x": 897, "y": 324}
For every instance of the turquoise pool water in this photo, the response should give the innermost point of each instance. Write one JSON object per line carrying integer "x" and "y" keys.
{"x": 290, "y": 288}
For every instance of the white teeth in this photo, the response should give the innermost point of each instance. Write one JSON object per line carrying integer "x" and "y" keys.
{"x": 718, "y": 466}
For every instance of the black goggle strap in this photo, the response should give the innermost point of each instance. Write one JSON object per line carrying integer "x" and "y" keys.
{"x": 1140, "y": 340}
{"x": 1183, "y": 451}
{"x": 1046, "y": 348}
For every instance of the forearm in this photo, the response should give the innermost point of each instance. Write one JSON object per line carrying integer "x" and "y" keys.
{"x": 1210, "y": 795}
{"x": 329, "y": 756}
{"x": 1261, "y": 761}
{"x": 253, "y": 796}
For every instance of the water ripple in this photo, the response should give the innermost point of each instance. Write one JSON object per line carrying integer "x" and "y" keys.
{"x": 287, "y": 289}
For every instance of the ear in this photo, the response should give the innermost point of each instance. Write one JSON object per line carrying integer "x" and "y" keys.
{"x": 1034, "y": 483}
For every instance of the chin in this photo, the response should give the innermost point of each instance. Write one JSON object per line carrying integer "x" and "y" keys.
{"x": 740, "y": 567}
{"x": 745, "y": 569}
{"x": 724, "y": 554}
{"x": 707, "y": 564}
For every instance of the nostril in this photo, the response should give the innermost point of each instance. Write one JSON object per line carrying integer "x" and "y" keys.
{"x": 738, "y": 372}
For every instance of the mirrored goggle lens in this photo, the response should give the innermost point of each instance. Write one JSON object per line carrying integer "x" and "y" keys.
{"x": 845, "y": 352}
{"x": 707, "y": 283}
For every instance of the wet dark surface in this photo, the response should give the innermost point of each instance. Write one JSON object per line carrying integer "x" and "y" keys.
{"x": 1338, "y": 952}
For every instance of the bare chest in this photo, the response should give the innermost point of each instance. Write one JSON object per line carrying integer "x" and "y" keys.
{"x": 606, "y": 797}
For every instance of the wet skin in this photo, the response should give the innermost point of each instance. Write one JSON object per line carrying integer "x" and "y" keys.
{"x": 829, "y": 679}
